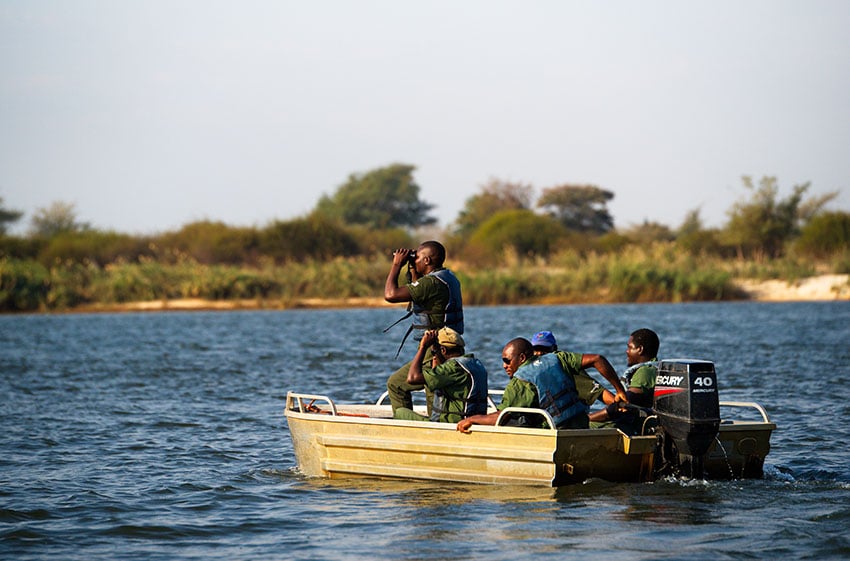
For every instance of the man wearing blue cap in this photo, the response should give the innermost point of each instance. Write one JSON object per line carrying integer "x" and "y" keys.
{"x": 543, "y": 342}
{"x": 536, "y": 383}
{"x": 589, "y": 390}
{"x": 550, "y": 381}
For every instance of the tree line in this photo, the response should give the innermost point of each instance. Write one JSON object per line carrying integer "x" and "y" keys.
{"x": 506, "y": 244}
{"x": 382, "y": 209}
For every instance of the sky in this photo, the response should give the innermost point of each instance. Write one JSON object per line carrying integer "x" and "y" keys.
{"x": 149, "y": 115}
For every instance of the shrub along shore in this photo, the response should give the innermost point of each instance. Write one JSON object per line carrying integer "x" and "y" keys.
{"x": 658, "y": 274}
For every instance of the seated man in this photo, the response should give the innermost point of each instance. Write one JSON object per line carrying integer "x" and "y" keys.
{"x": 543, "y": 342}
{"x": 641, "y": 357}
{"x": 539, "y": 382}
{"x": 457, "y": 380}
{"x": 588, "y": 389}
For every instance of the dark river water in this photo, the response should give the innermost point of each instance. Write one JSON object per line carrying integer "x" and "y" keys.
{"x": 162, "y": 436}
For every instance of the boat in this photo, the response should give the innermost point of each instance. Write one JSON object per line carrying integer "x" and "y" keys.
{"x": 683, "y": 435}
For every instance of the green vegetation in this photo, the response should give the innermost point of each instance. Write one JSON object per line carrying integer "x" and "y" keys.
{"x": 583, "y": 208}
{"x": 31, "y": 286}
{"x": 383, "y": 198}
{"x": 8, "y": 216}
{"x": 503, "y": 251}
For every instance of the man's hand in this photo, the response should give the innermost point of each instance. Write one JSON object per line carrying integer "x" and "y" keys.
{"x": 428, "y": 339}
{"x": 400, "y": 257}
{"x": 463, "y": 426}
{"x": 393, "y": 293}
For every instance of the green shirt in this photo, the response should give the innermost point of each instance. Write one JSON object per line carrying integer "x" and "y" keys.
{"x": 588, "y": 389}
{"x": 522, "y": 393}
{"x": 455, "y": 384}
{"x": 644, "y": 377}
{"x": 519, "y": 393}
{"x": 431, "y": 294}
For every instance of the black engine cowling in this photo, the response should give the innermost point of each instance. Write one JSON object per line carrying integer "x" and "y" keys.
{"x": 688, "y": 409}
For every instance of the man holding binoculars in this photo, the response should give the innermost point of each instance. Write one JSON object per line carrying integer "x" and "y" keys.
{"x": 434, "y": 297}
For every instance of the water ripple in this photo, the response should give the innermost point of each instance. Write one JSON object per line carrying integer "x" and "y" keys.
{"x": 166, "y": 440}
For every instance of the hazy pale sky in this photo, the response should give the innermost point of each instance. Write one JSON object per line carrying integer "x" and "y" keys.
{"x": 148, "y": 115}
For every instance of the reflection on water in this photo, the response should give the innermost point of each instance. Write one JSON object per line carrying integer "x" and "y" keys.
{"x": 424, "y": 494}
{"x": 668, "y": 501}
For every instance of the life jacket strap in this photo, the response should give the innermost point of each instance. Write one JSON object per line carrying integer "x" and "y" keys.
{"x": 399, "y": 320}
{"x": 403, "y": 339}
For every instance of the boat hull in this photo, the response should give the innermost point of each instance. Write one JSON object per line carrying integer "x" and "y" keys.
{"x": 362, "y": 440}
{"x": 338, "y": 446}
{"x": 739, "y": 450}
{"x": 685, "y": 433}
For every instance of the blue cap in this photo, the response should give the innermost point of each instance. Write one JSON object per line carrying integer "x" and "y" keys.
{"x": 543, "y": 339}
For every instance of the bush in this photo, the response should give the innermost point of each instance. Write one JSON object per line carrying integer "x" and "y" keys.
{"x": 521, "y": 231}
{"x": 93, "y": 246}
{"x": 209, "y": 243}
{"x": 825, "y": 234}
{"x": 314, "y": 237}
{"x": 13, "y": 247}
{"x": 381, "y": 242}
{"x": 24, "y": 285}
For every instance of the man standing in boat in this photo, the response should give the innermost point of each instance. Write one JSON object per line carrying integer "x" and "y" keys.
{"x": 457, "y": 380}
{"x": 434, "y": 296}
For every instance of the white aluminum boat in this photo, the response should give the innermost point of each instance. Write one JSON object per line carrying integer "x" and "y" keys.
{"x": 355, "y": 440}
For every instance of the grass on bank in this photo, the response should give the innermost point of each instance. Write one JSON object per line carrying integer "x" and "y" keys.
{"x": 658, "y": 274}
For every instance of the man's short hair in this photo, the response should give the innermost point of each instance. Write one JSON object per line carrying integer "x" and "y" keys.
{"x": 647, "y": 339}
{"x": 438, "y": 252}
{"x": 521, "y": 345}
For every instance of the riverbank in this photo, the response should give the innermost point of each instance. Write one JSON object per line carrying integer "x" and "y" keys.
{"x": 811, "y": 289}
{"x": 818, "y": 288}
{"x": 200, "y": 304}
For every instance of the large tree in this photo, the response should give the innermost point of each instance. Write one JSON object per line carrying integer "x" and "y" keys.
{"x": 386, "y": 197}
{"x": 59, "y": 218}
{"x": 8, "y": 216}
{"x": 582, "y": 208}
{"x": 762, "y": 225}
{"x": 494, "y": 196}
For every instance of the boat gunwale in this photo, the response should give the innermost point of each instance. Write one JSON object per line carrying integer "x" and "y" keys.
{"x": 355, "y": 410}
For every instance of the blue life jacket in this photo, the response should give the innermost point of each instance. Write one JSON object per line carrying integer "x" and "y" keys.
{"x": 556, "y": 389}
{"x": 452, "y": 314}
{"x": 475, "y": 402}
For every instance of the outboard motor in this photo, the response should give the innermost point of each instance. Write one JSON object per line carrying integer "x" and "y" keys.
{"x": 688, "y": 409}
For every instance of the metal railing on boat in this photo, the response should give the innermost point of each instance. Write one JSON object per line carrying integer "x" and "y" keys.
{"x": 298, "y": 399}
{"x": 491, "y": 403}
{"x": 507, "y": 411}
{"x": 750, "y": 404}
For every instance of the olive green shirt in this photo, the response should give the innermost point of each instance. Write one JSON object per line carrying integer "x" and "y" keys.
{"x": 644, "y": 377}
{"x": 519, "y": 393}
{"x": 455, "y": 383}
{"x": 431, "y": 294}
{"x": 588, "y": 389}
{"x": 522, "y": 393}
